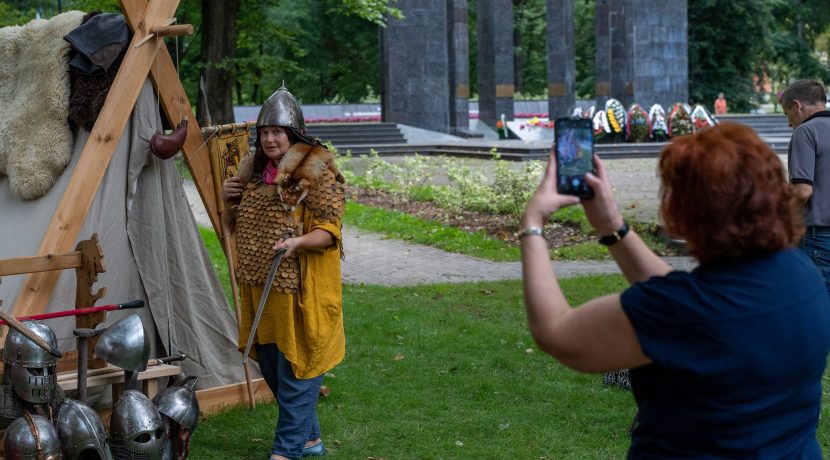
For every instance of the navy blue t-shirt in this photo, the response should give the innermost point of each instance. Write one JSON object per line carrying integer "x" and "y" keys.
{"x": 738, "y": 353}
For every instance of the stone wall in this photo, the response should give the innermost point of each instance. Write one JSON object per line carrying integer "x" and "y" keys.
{"x": 561, "y": 60}
{"x": 494, "y": 27}
{"x": 459, "y": 64}
{"x": 660, "y": 52}
{"x": 414, "y": 66}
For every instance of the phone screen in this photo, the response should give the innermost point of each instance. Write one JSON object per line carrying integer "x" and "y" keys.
{"x": 574, "y": 147}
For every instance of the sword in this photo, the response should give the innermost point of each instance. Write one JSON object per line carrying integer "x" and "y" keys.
{"x": 265, "y": 291}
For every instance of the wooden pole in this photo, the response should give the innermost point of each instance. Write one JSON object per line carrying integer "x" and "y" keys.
{"x": 227, "y": 241}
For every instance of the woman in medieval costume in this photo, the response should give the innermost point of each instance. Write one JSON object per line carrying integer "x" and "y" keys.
{"x": 290, "y": 197}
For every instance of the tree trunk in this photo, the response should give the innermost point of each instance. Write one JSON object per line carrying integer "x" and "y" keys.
{"x": 218, "y": 48}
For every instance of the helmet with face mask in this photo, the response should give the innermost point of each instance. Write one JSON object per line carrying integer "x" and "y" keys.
{"x": 282, "y": 109}
{"x": 136, "y": 429}
{"x": 180, "y": 404}
{"x": 30, "y": 368}
{"x": 32, "y": 437}
{"x": 81, "y": 432}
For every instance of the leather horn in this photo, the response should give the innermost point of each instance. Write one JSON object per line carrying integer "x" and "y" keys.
{"x": 165, "y": 146}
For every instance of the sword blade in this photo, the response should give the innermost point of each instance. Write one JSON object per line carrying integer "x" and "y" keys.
{"x": 275, "y": 263}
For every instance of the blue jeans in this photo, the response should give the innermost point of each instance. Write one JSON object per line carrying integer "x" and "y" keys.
{"x": 297, "y": 401}
{"x": 816, "y": 244}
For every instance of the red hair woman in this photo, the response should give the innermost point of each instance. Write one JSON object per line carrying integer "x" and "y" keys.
{"x": 726, "y": 360}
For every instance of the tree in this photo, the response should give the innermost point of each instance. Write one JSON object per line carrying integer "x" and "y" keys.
{"x": 724, "y": 42}
{"x": 217, "y": 55}
{"x": 794, "y": 26}
{"x": 220, "y": 21}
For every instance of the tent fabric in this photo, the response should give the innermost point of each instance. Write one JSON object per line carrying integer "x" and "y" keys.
{"x": 152, "y": 251}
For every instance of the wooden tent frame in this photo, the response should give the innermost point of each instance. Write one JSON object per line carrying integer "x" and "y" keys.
{"x": 146, "y": 54}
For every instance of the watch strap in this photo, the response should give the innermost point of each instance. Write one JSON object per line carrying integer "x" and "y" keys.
{"x": 608, "y": 240}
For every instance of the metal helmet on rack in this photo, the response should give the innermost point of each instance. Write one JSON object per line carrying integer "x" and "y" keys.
{"x": 81, "y": 432}
{"x": 30, "y": 368}
{"x": 32, "y": 437}
{"x": 180, "y": 404}
{"x": 136, "y": 429}
{"x": 282, "y": 109}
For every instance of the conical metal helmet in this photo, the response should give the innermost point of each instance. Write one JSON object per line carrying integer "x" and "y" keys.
{"x": 125, "y": 344}
{"x": 32, "y": 437}
{"x": 180, "y": 404}
{"x": 81, "y": 432}
{"x": 281, "y": 109}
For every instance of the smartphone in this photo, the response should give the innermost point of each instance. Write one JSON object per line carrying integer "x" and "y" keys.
{"x": 574, "y": 147}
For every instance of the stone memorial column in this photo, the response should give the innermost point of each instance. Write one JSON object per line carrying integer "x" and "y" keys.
{"x": 620, "y": 63}
{"x": 459, "y": 64}
{"x": 494, "y": 27}
{"x": 415, "y": 66}
{"x": 561, "y": 58}
{"x": 660, "y": 52}
{"x": 602, "y": 54}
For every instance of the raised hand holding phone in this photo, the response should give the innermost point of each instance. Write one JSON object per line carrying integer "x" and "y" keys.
{"x": 574, "y": 151}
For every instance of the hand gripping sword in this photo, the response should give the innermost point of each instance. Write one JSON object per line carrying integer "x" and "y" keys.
{"x": 275, "y": 263}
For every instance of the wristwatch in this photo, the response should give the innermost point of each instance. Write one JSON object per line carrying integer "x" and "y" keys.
{"x": 608, "y": 240}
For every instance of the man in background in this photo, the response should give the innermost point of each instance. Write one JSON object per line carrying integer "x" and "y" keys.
{"x": 808, "y": 163}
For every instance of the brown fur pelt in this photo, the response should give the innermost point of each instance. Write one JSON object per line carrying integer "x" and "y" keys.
{"x": 89, "y": 92}
{"x": 300, "y": 169}
{"x": 35, "y": 137}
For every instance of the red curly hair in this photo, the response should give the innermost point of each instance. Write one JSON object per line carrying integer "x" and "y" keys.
{"x": 726, "y": 193}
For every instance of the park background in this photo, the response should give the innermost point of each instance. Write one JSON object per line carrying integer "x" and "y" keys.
{"x": 449, "y": 371}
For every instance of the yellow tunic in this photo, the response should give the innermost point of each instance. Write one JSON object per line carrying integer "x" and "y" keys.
{"x": 307, "y": 328}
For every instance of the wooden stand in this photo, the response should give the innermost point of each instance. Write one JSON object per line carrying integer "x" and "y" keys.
{"x": 88, "y": 262}
{"x": 111, "y": 375}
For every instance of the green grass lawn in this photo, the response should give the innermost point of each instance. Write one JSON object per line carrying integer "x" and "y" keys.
{"x": 449, "y": 372}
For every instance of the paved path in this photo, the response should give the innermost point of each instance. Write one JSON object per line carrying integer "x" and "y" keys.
{"x": 373, "y": 259}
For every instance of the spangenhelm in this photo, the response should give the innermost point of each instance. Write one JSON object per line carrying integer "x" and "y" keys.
{"x": 32, "y": 437}
{"x": 136, "y": 429}
{"x": 125, "y": 344}
{"x": 81, "y": 432}
{"x": 180, "y": 404}
{"x": 31, "y": 369}
{"x": 281, "y": 109}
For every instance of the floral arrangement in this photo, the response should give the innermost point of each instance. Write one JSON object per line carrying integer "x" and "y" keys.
{"x": 372, "y": 118}
{"x": 659, "y": 130}
{"x": 701, "y": 118}
{"x": 616, "y": 115}
{"x": 601, "y": 126}
{"x": 679, "y": 121}
{"x": 638, "y": 128}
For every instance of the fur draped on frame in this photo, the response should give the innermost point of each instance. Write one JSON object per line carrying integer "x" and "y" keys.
{"x": 36, "y": 140}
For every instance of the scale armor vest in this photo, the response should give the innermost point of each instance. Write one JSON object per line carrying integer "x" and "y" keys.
{"x": 32, "y": 437}
{"x": 261, "y": 221}
{"x": 326, "y": 201}
{"x": 136, "y": 429}
{"x": 31, "y": 369}
{"x": 81, "y": 431}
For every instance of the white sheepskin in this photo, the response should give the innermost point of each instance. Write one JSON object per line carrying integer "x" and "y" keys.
{"x": 35, "y": 137}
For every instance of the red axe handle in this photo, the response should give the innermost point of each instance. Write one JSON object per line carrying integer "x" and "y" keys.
{"x": 83, "y": 311}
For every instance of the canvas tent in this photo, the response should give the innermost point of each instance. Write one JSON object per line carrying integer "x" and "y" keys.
{"x": 152, "y": 251}
{"x": 151, "y": 243}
